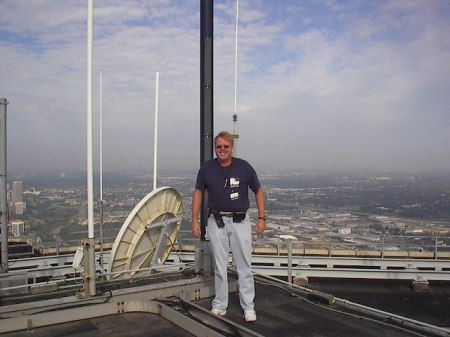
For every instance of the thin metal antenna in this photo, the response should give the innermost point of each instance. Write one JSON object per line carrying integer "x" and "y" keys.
{"x": 101, "y": 135}
{"x": 235, "y": 135}
{"x": 236, "y": 57}
{"x": 155, "y": 143}
{"x": 101, "y": 169}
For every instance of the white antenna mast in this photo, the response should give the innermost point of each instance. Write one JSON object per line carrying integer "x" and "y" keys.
{"x": 89, "y": 246}
{"x": 155, "y": 143}
{"x": 101, "y": 168}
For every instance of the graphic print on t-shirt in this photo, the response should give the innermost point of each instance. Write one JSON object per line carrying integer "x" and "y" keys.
{"x": 234, "y": 182}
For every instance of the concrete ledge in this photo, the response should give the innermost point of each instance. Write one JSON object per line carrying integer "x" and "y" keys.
{"x": 421, "y": 255}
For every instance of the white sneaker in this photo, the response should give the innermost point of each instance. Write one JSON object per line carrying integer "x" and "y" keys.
{"x": 250, "y": 315}
{"x": 218, "y": 312}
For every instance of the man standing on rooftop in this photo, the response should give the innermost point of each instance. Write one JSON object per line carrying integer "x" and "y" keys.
{"x": 227, "y": 180}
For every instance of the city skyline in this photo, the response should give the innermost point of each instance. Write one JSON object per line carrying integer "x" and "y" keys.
{"x": 332, "y": 85}
{"x": 296, "y": 204}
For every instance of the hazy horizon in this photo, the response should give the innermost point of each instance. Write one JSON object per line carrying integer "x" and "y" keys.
{"x": 79, "y": 176}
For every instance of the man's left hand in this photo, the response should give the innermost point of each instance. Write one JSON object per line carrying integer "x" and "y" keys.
{"x": 260, "y": 226}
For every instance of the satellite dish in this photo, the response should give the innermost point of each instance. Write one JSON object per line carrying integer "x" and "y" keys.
{"x": 148, "y": 234}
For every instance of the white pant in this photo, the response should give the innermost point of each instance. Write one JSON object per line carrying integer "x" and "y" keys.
{"x": 239, "y": 237}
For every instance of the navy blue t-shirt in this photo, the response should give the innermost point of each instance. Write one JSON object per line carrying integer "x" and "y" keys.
{"x": 227, "y": 187}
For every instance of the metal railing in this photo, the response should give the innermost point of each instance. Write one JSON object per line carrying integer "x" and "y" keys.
{"x": 425, "y": 247}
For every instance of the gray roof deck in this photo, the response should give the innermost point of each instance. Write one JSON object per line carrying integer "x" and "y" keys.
{"x": 283, "y": 310}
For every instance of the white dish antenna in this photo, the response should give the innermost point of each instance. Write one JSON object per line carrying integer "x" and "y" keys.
{"x": 148, "y": 234}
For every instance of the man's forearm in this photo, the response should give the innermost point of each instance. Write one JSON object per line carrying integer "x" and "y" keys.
{"x": 260, "y": 202}
{"x": 196, "y": 203}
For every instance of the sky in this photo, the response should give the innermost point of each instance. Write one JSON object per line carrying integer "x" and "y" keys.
{"x": 320, "y": 84}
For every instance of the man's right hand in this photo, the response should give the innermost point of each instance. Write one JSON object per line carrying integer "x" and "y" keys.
{"x": 196, "y": 230}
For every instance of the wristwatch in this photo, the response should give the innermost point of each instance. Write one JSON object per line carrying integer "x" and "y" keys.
{"x": 263, "y": 218}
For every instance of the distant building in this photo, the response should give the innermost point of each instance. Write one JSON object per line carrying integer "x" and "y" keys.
{"x": 17, "y": 192}
{"x": 15, "y": 198}
{"x": 71, "y": 202}
{"x": 345, "y": 231}
{"x": 9, "y": 197}
{"x": 32, "y": 191}
{"x": 19, "y": 208}
{"x": 17, "y": 228}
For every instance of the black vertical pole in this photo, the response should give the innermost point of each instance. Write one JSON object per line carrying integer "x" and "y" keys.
{"x": 206, "y": 93}
{"x": 3, "y": 174}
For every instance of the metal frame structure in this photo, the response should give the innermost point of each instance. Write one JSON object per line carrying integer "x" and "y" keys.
{"x": 175, "y": 301}
{"x": 32, "y": 269}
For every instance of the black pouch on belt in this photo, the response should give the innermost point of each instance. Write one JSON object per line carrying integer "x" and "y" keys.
{"x": 218, "y": 218}
{"x": 238, "y": 217}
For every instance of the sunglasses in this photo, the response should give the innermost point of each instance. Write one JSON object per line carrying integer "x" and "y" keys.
{"x": 225, "y": 146}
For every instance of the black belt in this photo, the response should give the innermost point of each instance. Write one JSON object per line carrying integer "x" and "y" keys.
{"x": 237, "y": 216}
{"x": 231, "y": 214}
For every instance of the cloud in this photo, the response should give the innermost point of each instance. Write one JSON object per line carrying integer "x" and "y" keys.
{"x": 320, "y": 85}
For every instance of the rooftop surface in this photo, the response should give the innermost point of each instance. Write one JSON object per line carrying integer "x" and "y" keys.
{"x": 283, "y": 310}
